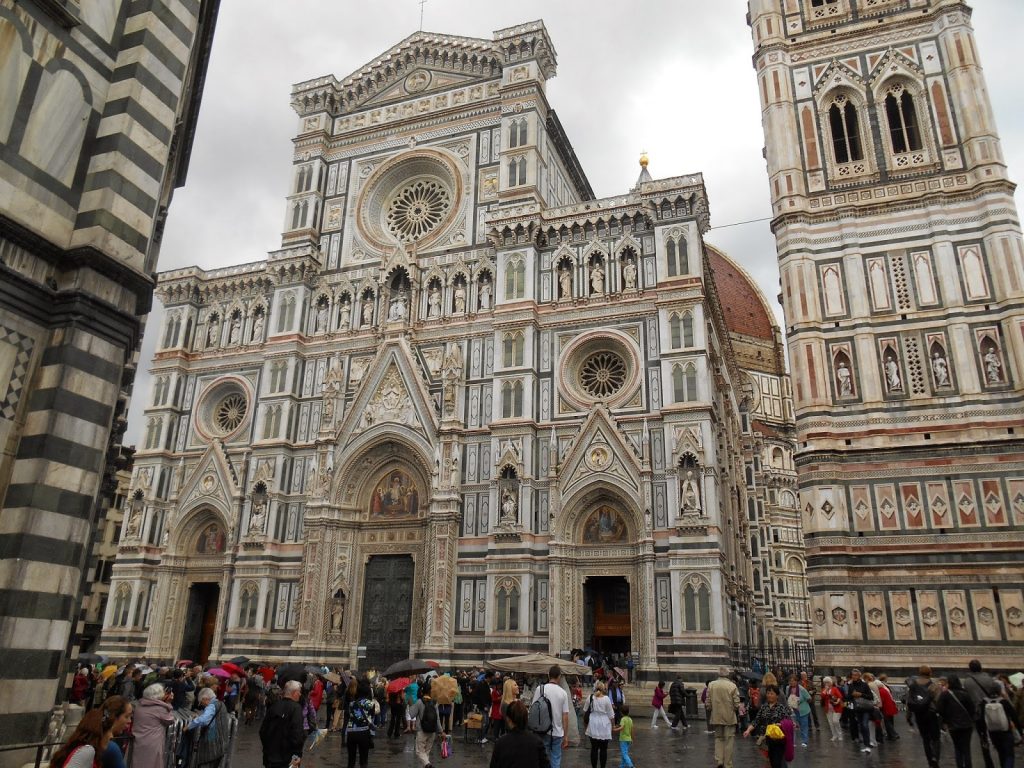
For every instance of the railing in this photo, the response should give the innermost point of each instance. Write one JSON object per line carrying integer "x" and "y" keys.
{"x": 179, "y": 751}
{"x": 760, "y": 659}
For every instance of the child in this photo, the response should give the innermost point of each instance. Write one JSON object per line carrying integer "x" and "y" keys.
{"x": 625, "y": 731}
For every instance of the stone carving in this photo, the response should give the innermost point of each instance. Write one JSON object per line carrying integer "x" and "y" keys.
{"x": 844, "y": 380}
{"x": 993, "y": 365}
{"x": 485, "y": 294}
{"x": 689, "y": 493}
{"x": 337, "y": 608}
{"x": 434, "y": 302}
{"x": 893, "y": 381}
{"x": 213, "y": 332}
{"x": 564, "y": 282}
{"x": 235, "y": 333}
{"x": 399, "y": 310}
{"x": 940, "y": 369}
{"x": 432, "y": 357}
{"x": 358, "y": 369}
{"x": 344, "y": 315}
{"x": 321, "y": 317}
{"x": 597, "y": 279}
{"x": 257, "y": 328}
{"x": 629, "y": 275}
{"x": 509, "y": 508}
{"x": 332, "y": 388}
{"x": 133, "y": 525}
{"x": 453, "y": 364}
{"x": 391, "y": 403}
{"x": 367, "y": 311}
{"x": 460, "y": 298}
{"x": 258, "y": 518}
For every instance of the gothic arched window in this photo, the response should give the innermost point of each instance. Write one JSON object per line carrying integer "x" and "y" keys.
{"x": 902, "y": 117}
{"x": 670, "y": 250}
{"x": 507, "y": 606}
{"x": 844, "y": 124}
{"x": 697, "y": 606}
{"x": 122, "y": 602}
{"x": 512, "y": 349}
{"x": 513, "y": 173}
{"x": 511, "y": 399}
{"x": 515, "y": 278}
{"x": 684, "y": 383}
{"x": 522, "y": 134}
{"x": 522, "y": 170}
{"x": 247, "y": 604}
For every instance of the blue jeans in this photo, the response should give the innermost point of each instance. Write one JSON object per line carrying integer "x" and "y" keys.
{"x": 804, "y": 721}
{"x": 554, "y": 749}
{"x": 627, "y": 761}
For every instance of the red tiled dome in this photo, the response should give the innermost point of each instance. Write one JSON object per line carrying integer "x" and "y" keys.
{"x": 743, "y": 304}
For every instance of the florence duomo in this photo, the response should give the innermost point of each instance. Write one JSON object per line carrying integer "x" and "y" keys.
{"x": 459, "y": 406}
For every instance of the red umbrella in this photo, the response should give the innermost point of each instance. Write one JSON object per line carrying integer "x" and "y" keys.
{"x": 433, "y": 664}
{"x": 398, "y": 684}
{"x": 267, "y": 673}
{"x": 229, "y": 667}
{"x": 185, "y": 663}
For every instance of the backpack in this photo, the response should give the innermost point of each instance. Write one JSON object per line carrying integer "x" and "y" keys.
{"x": 428, "y": 723}
{"x": 539, "y": 719}
{"x": 919, "y": 699}
{"x": 995, "y": 715}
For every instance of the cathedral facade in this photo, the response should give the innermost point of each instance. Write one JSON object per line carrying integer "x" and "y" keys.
{"x": 466, "y": 409}
{"x": 899, "y": 247}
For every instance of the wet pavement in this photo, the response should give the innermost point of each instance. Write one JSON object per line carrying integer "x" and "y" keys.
{"x": 693, "y": 748}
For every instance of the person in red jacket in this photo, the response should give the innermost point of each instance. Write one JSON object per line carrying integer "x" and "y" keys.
{"x": 316, "y": 693}
{"x": 658, "y": 702}
{"x": 832, "y": 701}
{"x": 889, "y": 708}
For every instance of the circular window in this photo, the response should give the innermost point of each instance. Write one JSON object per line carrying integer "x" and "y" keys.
{"x": 230, "y": 412}
{"x": 418, "y": 208}
{"x": 603, "y": 374}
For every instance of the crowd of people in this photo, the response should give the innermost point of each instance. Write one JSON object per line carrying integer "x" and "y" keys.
{"x": 529, "y": 727}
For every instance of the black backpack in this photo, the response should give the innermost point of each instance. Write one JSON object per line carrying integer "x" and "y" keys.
{"x": 428, "y": 723}
{"x": 919, "y": 698}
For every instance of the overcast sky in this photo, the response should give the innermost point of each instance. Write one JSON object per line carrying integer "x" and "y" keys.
{"x": 673, "y": 77}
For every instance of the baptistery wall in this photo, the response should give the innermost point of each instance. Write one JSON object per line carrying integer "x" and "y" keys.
{"x": 466, "y": 409}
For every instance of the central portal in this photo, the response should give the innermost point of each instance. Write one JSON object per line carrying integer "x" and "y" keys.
{"x": 606, "y": 615}
{"x": 387, "y": 609}
{"x": 200, "y": 622}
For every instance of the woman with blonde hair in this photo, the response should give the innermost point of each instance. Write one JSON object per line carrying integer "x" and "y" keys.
{"x": 600, "y": 716}
{"x": 509, "y": 693}
{"x": 87, "y": 744}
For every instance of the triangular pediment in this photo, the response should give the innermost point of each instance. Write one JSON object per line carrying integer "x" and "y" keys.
{"x": 392, "y": 392}
{"x": 600, "y": 450}
{"x": 212, "y": 477}
{"x": 836, "y": 74}
{"x": 895, "y": 63}
{"x": 422, "y": 81}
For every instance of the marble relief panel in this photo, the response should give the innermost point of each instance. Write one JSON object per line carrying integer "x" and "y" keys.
{"x": 957, "y": 615}
{"x": 860, "y": 497}
{"x": 1012, "y": 602}
{"x": 1016, "y": 489}
{"x": 876, "y": 620}
{"x": 913, "y": 509}
{"x": 938, "y": 505}
{"x": 902, "y": 616}
{"x": 966, "y": 503}
{"x": 888, "y": 517}
{"x": 929, "y": 615}
{"x": 993, "y": 502}
{"x": 986, "y": 615}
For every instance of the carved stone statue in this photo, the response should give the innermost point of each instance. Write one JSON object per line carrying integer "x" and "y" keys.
{"x": 485, "y": 294}
{"x": 399, "y": 309}
{"x": 940, "y": 370}
{"x": 367, "y": 311}
{"x": 629, "y": 275}
{"x": 460, "y": 299}
{"x": 453, "y": 360}
{"x": 565, "y": 283}
{"x": 257, "y": 328}
{"x": 213, "y": 332}
{"x": 690, "y": 493}
{"x": 344, "y": 315}
{"x": 892, "y": 375}
{"x": 453, "y": 469}
{"x": 844, "y": 380}
{"x": 993, "y": 367}
{"x": 434, "y": 303}
{"x": 597, "y": 279}
{"x": 258, "y": 518}
{"x": 321, "y": 318}
{"x": 508, "y": 508}
{"x": 337, "y": 613}
{"x": 132, "y": 527}
{"x": 235, "y": 333}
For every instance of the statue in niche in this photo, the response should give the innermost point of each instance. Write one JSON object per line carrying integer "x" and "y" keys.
{"x": 689, "y": 492}
{"x": 321, "y": 317}
{"x": 213, "y": 332}
{"x": 399, "y": 308}
{"x": 940, "y": 369}
{"x": 629, "y": 275}
{"x": 993, "y": 366}
{"x": 844, "y": 380}
{"x": 460, "y": 298}
{"x": 508, "y": 508}
{"x": 368, "y": 311}
{"x": 892, "y": 374}
{"x": 235, "y": 334}
{"x": 565, "y": 282}
{"x": 132, "y": 527}
{"x": 344, "y": 315}
{"x": 597, "y": 278}
{"x": 257, "y": 328}
{"x": 258, "y": 518}
{"x": 434, "y": 302}
{"x": 337, "y": 611}
{"x": 485, "y": 294}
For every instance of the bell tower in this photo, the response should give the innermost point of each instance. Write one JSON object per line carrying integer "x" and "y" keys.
{"x": 899, "y": 248}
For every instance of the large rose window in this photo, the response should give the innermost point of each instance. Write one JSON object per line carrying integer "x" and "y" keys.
{"x": 603, "y": 374}
{"x": 418, "y": 208}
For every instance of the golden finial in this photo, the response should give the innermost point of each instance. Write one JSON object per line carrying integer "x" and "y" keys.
{"x": 643, "y": 158}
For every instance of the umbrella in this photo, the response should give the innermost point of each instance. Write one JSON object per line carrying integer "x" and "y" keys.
{"x": 218, "y": 672}
{"x": 184, "y": 663}
{"x": 398, "y": 684}
{"x": 108, "y": 672}
{"x": 290, "y": 672}
{"x": 752, "y": 676}
{"x": 410, "y": 667}
{"x": 314, "y": 669}
{"x": 241, "y": 660}
{"x": 227, "y": 666}
{"x": 1017, "y": 679}
{"x": 333, "y": 678}
{"x": 92, "y": 658}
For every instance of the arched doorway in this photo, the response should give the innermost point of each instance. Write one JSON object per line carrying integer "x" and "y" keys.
{"x": 203, "y": 543}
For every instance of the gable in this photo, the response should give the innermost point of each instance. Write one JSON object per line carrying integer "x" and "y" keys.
{"x": 600, "y": 449}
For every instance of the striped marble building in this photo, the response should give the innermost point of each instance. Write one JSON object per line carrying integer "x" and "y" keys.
{"x": 466, "y": 409}
{"x": 899, "y": 246}
{"x": 98, "y": 103}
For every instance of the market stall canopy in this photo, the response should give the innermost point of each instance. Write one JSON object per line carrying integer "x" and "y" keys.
{"x": 537, "y": 664}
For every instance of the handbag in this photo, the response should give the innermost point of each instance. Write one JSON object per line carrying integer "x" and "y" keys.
{"x": 863, "y": 705}
{"x": 446, "y": 747}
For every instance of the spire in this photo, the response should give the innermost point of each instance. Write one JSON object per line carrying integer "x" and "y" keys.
{"x": 644, "y": 175}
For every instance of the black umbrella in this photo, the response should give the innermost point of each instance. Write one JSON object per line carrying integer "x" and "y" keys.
{"x": 290, "y": 672}
{"x": 314, "y": 669}
{"x": 240, "y": 660}
{"x": 409, "y": 667}
{"x": 753, "y": 676}
{"x": 92, "y": 658}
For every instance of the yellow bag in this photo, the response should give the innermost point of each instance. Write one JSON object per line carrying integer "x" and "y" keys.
{"x": 774, "y": 732}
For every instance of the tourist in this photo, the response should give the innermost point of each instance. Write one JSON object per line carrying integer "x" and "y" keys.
{"x": 773, "y": 711}
{"x": 519, "y": 748}
{"x": 600, "y": 716}
{"x": 808, "y": 684}
{"x": 424, "y": 714}
{"x": 677, "y": 703}
{"x": 625, "y": 731}
{"x": 218, "y": 721}
{"x": 558, "y": 738}
{"x": 396, "y": 709}
{"x": 152, "y": 716}
{"x": 359, "y": 732}
{"x": 723, "y": 698}
{"x": 958, "y": 714}
{"x": 93, "y": 734}
{"x": 658, "y": 703}
{"x": 616, "y": 697}
{"x": 799, "y": 700}
{"x": 281, "y": 733}
{"x": 482, "y": 702}
{"x": 980, "y": 686}
{"x": 496, "y": 714}
{"x": 832, "y": 701}
{"x": 412, "y": 692}
{"x": 922, "y": 695}
{"x": 860, "y": 702}
{"x": 888, "y": 707}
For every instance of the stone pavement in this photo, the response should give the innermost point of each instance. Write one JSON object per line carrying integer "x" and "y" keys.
{"x": 652, "y": 748}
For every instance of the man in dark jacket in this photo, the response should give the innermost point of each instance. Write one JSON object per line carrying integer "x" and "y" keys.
{"x": 482, "y": 701}
{"x": 677, "y": 703}
{"x": 858, "y": 690}
{"x": 980, "y": 686}
{"x": 282, "y": 734}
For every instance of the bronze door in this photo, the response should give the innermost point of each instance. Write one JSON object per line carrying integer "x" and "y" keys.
{"x": 387, "y": 610}
{"x": 200, "y": 622}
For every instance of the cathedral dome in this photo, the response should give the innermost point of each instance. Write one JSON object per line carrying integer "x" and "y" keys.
{"x": 744, "y": 306}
